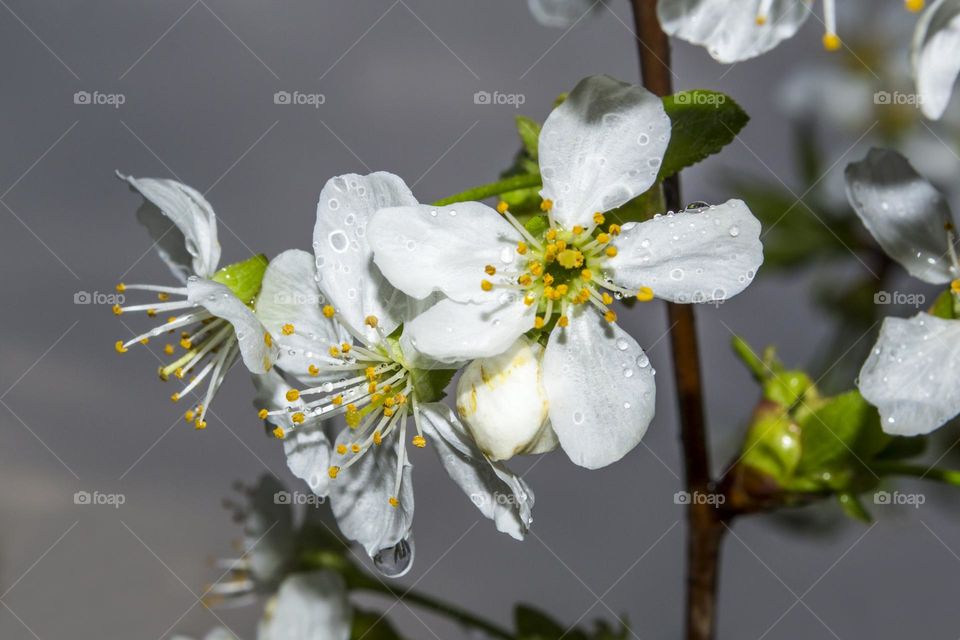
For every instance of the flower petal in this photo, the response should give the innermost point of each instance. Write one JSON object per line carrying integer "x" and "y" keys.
{"x": 729, "y": 29}
{"x": 451, "y": 331}
{"x": 360, "y": 496}
{"x": 904, "y": 213}
{"x": 934, "y": 56}
{"x": 702, "y": 255}
{"x": 424, "y": 248}
{"x": 289, "y": 296}
{"x": 267, "y": 528}
{"x": 309, "y": 606}
{"x": 344, "y": 257}
{"x": 190, "y": 246}
{"x": 913, "y": 374}
{"x": 600, "y": 387}
{"x": 257, "y": 347}
{"x": 601, "y": 147}
{"x": 560, "y": 13}
{"x": 497, "y": 492}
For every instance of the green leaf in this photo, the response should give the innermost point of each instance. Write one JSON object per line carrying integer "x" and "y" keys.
{"x": 533, "y": 624}
{"x": 703, "y": 123}
{"x": 851, "y": 505}
{"x": 944, "y": 307}
{"x": 903, "y": 447}
{"x": 370, "y": 625}
{"x": 429, "y": 384}
{"x": 529, "y": 131}
{"x": 243, "y": 278}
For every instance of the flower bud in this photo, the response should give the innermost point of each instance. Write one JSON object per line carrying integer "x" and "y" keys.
{"x": 502, "y": 402}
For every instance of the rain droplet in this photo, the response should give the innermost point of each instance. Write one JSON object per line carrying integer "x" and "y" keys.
{"x": 628, "y": 373}
{"x": 506, "y": 255}
{"x": 677, "y": 274}
{"x": 396, "y": 560}
{"x": 333, "y": 203}
{"x": 622, "y": 344}
{"x": 338, "y": 241}
{"x": 643, "y": 360}
{"x": 578, "y": 418}
{"x": 734, "y": 231}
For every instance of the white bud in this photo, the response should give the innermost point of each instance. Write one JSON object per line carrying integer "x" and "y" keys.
{"x": 502, "y": 402}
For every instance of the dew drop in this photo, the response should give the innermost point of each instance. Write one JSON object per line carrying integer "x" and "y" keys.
{"x": 677, "y": 274}
{"x": 338, "y": 241}
{"x": 577, "y": 418}
{"x": 333, "y": 203}
{"x": 622, "y": 344}
{"x": 628, "y": 373}
{"x": 395, "y": 561}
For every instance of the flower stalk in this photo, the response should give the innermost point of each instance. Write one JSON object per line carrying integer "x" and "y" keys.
{"x": 513, "y": 183}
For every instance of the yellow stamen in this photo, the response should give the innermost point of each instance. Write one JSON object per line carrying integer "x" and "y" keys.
{"x": 551, "y": 235}
{"x": 313, "y": 370}
{"x": 168, "y": 349}
{"x": 546, "y": 205}
{"x": 345, "y": 347}
{"x": 117, "y": 310}
{"x": 394, "y": 502}
{"x": 598, "y": 218}
{"x": 279, "y": 433}
{"x": 761, "y": 20}
{"x": 486, "y": 285}
{"x": 335, "y": 352}
{"x": 614, "y": 229}
{"x": 298, "y": 417}
{"x": 185, "y": 343}
{"x": 329, "y": 311}
{"x": 831, "y": 42}
{"x": 419, "y": 441}
{"x": 606, "y": 297}
{"x": 538, "y": 323}
{"x": 175, "y": 397}
{"x": 645, "y": 294}
{"x": 292, "y": 395}
{"x": 262, "y": 414}
{"x": 333, "y": 471}
{"x": 502, "y": 207}
{"x": 287, "y": 329}
{"x": 371, "y": 321}
{"x": 377, "y": 438}
{"x": 355, "y": 448}
{"x": 342, "y": 449}
{"x": 521, "y": 248}
{"x": 548, "y": 279}
{"x": 119, "y": 347}
{"x": 587, "y": 275}
{"x": 563, "y": 321}
{"x": 151, "y": 313}
{"x": 914, "y": 6}
{"x": 338, "y": 400}
{"x": 603, "y": 238}
{"x": 611, "y": 251}
{"x": 577, "y": 230}
{"x": 525, "y": 280}
{"x": 188, "y": 415}
{"x": 200, "y": 425}
{"x": 610, "y": 316}
{"x": 490, "y": 270}
{"x": 121, "y": 287}
{"x": 163, "y": 297}
{"x": 267, "y": 339}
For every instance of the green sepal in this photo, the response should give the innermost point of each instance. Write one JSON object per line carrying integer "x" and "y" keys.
{"x": 243, "y": 278}
{"x": 853, "y": 507}
{"x": 945, "y": 306}
{"x": 428, "y": 384}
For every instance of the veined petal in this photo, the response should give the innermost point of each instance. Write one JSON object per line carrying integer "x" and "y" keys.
{"x": 600, "y": 387}
{"x": 601, "y": 147}
{"x": 289, "y": 299}
{"x": 309, "y": 606}
{"x": 560, "y": 13}
{"x": 344, "y": 257}
{"x": 913, "y": 374}
{"x": 190, "y": 246}
{"x": 450, "y": 331}
{"x": 731, "y": 30}
{"x": 497, "y": 492}
{"x": 360, "y": 497}
{"x": 423, "y": 249}
{"x": 703, "y": 255}
{"x": 936, "y": 62}
{"x": 257, "y": 347}
{"x": 904, "y": 212}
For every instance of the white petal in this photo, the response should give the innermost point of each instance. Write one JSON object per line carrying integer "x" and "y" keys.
{"x": 189, "y": 246}
{"x": 451, "y": 331}
{"x": 424, "y": 249}
{"x": 913, "y": 374}
{"x": 289, "y": 295}
{"x": 360, "y": 496}
{"x": 904, "y": 212}
{"x": 728, "y": 28}
{"x": 309, "y": 606}
{"x": 257, "y": 354}
{"x": 344, "y": 257}
{"x": 267, "y": 528}
{"x": 702, "y": 255}
{"x": 601, "y": 389}
{"x": 936, "y": 55}
{"x": 560, "y": 13}
{"x": 601, "y": 147}
{"x": 497, "y": 492}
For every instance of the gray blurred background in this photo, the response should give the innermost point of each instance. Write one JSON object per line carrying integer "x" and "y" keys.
{"x": 198, "y": 79}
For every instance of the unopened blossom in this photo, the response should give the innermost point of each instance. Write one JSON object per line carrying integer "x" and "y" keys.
{"x": 912, "y": 375}
{"x": 561, "y": 13}
{"x": 935, "y": 56}
{"x": 206, "y": 319}
{"x": 600, "y": 148}
{"x": 381, "y": 388}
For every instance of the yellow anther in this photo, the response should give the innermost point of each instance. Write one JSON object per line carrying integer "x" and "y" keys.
{"x": 355, "y": 448}
{"x": 521, "y": 248}
{"x": 387, "y": 411}
{"x": 345, "y": 347}
{"x": 262, "y": 414}
{"x": 119, "y": 346}
{"x": 328, "y": 310}
{"x": 598, "y": 218}
{"x": 279, "y": 433}
{"x": 298, "y": 417}
{"x": 370, "y": 372}
{"x": 377, "y": 438}
{"x": 394, "y": 502}
{"x": 419, "y": 441}
{"x": 371, "y": 321}
{"x": 562, "y": 289}
{"x": 338, "y": 400}
{"x": 200, "y": 425}
{"x": 371, "y": 387}
{"x": 490, "y": 270}
{"x": 761, "y": 20}
{"x": 577, "y": 229}
{"x": 313, "y": 370}
{"x": 538, "y": 323}
{"x": 502, "y": 206}
{"x": 603, "y": 238}
{"x": 536, "y": 269}
{"x": 548, "y": 291}
{"x": 548, "y": 279}
{"x": 168, "y": 349}
{"x": 120, "y": 287}
{"x": 144, "y": 340}
{"x": 292, "y": 395}
{"x": 525, "y": 280}
{"x": 333, "y": 471}
{"x": 570, "y": 259}
{"x": 342, "y": 449}
{"x": 117, "y": 309}
{"x": 401, "y": 399}
{"x": 610, "y": 316}
{"x": 171, "y": 319}
{"x": 163, "y": 297}
{"x": 831, "y": 41}
{"x": 529, "y": 299}
{"x": 561, "y": 245}
{"x": 151, "y": 313}
{"x": 587, "y": 275}
{"x": 546, "y": 205}
{"x": 178, "y": 372}
{"x": 335, "y": 352}
{"x": 606, "y": 297}
{"x": 389, "y": 402}
{"x": 611, "y": 251}
{"x": 645, "y": 294}
{"x": 563, "y": 321}
{"x": 353, "y": 419}
{"x": 267, "y": 339}
{"x": 614, "y": 229}
{"x": 551, "y": 235}
{"x": 175, "y": 397}
{"x": 287, "y": 329}
{"x": 486, "y": 285}
{"x": 188, "y": 415}
{"x": 914, "y": 6}
{"x": 185, "y": 343}
{"x": 583, "y": 296}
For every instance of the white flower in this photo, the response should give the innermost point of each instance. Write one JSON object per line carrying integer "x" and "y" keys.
{"x": 502, "y": 402}
{"x": 936, "y": 55}
{"x": 913, "y": 373}
{"x": 213, "y": 308}
{"x": 379, "y": 384}
{"x": 601, "y": 147}
{"x": 560, "y": 13}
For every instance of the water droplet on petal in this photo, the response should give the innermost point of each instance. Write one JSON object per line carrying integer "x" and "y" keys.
{"x": 396, "y": 560}
{"x": 734, "y": 231}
